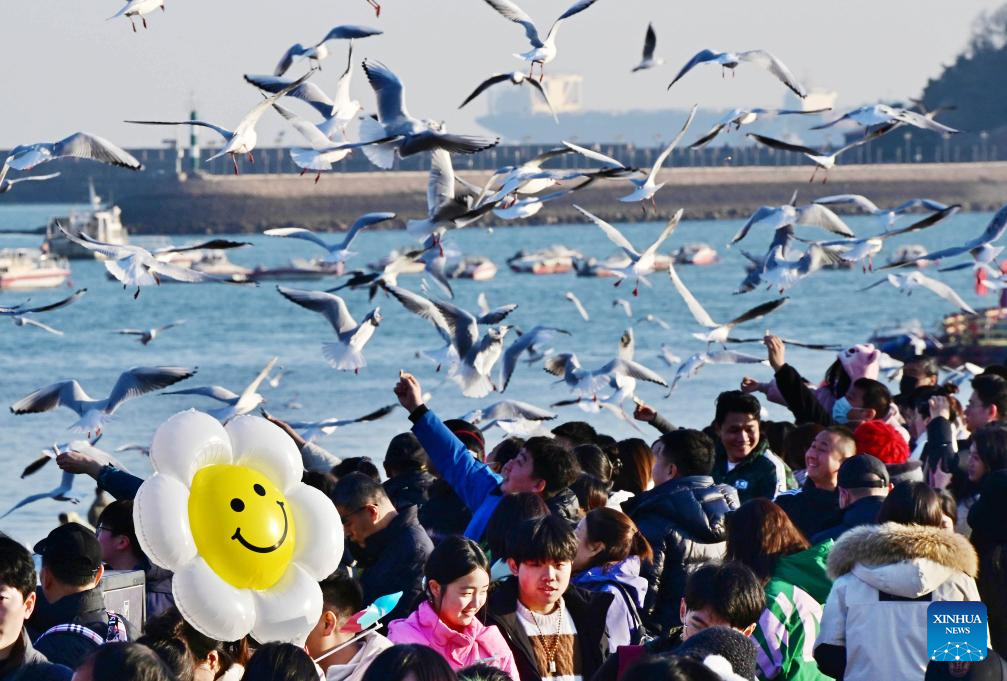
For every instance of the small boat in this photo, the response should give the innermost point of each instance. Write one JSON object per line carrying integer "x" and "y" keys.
{"x": 907, "y": 253}
{"x": 28, "y": 268}
{"x": 98, "y": 222}
{"x": 297, "y": 269}
{"x": 980, "y": 338}
{"x": 696, "y": 253}
{"x": 475, "y": 267}
{"x": 552, "y": 260}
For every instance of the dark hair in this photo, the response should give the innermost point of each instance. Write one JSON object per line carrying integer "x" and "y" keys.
{"x": 357, "y": 490}
{"x": 593, "y": 461}
{"x": 911, "y": 503}
{"x": 552, "y": 463}
{"x": 452, "y": 559}
{"x": 175, "y": 656}
{"x": 759, "y": 533}
{"x": 669, "y": 668}
{"x": 399, "y": 661}
{"x": 591, "y": 492}
{"x": 690, "y": 450}
{"x": 995, "y": 370}
{"x": 469, "y": 435}
{"x": 928, "y": 365}
{"x": 874, "y": 395}
{"x": 949, "y": 505}
{"x": 577, "y": 432}
{"x": 342, "y": 594}
{"x": 991, "y": 390}
{"x": 117, "y": 518}
{"x": 736, "y": 402}
{"x": 620, "y": 535}
{"x": 775, "y": 433}
{"x": 543, "y": 539}
{"x": 480, "y": 671}
{"x": 636, "y": 463}
{"x": 17, "y": 569}
{"x": 169, "y": 625}
{"x": 133, "y": 661}
{"x": 505, "y": 450}
{"x": 731, "y": 590}
{"x": 356, "y": 464}
{"x": 280, "y": 662}
{"x": 405, "y": 454}
{"x": 323, "y": 482}
{"x": 797, "y": 442}
{"x": 510, "y": 513}
{"x": 920, "y": 400}
{"x": 837, "y": 379}
{"x": 991, "y": 445}
{"x": 846, "y": 440}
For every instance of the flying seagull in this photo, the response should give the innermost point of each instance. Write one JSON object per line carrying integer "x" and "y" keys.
{"x": 524, "y": 343}
{"x": 913, "y": 280}
{"x": 337, "y": 252}
{"x": 94, "y": 413}
{"x": 881, "y": 116}
{"x": 730, "y": 60}
{"x": 980, "y": 248}
{"x": 822, "y": 160}
{"x": 738, "y": 117}
{"x": 399, "y": 132}
{"x": 887, "y": 216}
{"x": 543, "y": 50}
{"x": 347, "y": 352}
{"x": 243, "y": 138}
{"x": 146, "y": 336}
{"x": 581, "y": 310}
{"x": 447, "y": 206}
{"x": 83, "y": 446}
{"x": 515, "y": 78}
{"x": 237, "y": 405}
{"x": 587, "y": 381}
{"x": 649, "y": 61}
{"x": 647, "y": 186}
{"x": 641, "y": 264}
{"x": 6, "y": 185}
{"x": 691, "y": 366}
{"x": 319, "y": 51}
{"x": 59, "y": 493}
{"x": 19, "y": 314}
{"x": 811, "y": 215}
{"x": 327, "y": 142}
{"x": 719, "y": 332}
{"x": 138, "y": 8}
{"x": 511, "y": 416}
{"x": 313, "y": 430}
{"x": 77, "y": 145}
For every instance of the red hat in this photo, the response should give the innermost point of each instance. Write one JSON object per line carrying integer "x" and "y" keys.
{"x": 879, "y": 439}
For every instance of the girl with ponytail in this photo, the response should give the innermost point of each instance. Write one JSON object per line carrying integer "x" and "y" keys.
{"x": 610, "y": 549}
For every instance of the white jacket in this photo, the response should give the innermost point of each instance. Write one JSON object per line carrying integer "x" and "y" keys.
{"x": 355, "y": 668}
{"x": 885, "y": 577}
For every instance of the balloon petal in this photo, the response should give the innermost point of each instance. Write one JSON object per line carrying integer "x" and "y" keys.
{"x": 259, "y": 444}
{"x": 161, "y": 521}
{"x": 211, "y": 605}
{"x": 289, "y": 610}
{"x": 188, "y": 441}
{"x": 319, "y": 546}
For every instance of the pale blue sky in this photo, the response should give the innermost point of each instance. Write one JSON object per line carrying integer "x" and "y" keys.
{"x": 68, "y": 69}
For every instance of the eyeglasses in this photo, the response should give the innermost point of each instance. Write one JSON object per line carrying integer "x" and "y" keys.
{"x": 344, "y": 518}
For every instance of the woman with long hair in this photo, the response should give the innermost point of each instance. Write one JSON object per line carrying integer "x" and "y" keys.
{"x": 762, "y": 536}
{"x": 457, "y": 582}
{"x": 213, "y": 660}
{"x": 610, "y": 549}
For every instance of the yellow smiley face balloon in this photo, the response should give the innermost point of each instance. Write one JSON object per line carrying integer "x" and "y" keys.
{"x": 241, "y": 524}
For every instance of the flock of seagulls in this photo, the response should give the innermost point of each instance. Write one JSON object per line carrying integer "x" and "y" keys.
{"x": 479, "y": 352}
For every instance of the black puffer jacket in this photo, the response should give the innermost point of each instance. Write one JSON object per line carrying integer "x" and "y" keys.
{"x": 989, "y": 536}
{"x": 684, "y": 520}
{"x": 564, "y": 504}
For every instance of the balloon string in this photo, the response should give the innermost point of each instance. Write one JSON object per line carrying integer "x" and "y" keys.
{"x": 370, "y": 630}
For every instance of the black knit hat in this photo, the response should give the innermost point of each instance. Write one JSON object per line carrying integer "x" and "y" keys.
{"x": 730, "y": 644}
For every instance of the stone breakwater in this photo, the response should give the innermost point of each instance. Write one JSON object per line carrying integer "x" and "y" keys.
{"x": 252, "y": 203}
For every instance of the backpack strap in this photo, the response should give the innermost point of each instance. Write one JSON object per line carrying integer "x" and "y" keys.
{"x": 628, "y": 597}
{"x": 78, "y": 629}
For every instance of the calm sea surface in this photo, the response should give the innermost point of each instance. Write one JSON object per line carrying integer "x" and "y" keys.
{"x": 232, "y": 331}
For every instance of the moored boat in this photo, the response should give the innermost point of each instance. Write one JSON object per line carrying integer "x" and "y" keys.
{"x": 28, "y": 268}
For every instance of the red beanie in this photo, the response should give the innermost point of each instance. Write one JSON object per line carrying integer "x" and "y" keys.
{"x": 879, "y": 439}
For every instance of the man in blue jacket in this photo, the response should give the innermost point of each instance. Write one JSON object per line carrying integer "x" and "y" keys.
{"x": 541, "y": 466}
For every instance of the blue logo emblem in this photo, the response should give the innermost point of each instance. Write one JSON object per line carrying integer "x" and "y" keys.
{"x": 956, "y": 631}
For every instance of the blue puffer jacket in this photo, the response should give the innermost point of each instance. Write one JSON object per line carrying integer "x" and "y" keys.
{"x": 620, "y": 621}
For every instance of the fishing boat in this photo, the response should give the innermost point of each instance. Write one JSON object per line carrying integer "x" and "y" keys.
{"x": 553, "y": 260}
{"x": 475, "y": 267}
{"x": 696, "y": 253}
{"x": 297, "y": 269}
{"x": 28, "y": 268}
{"x": 98, "y": 221}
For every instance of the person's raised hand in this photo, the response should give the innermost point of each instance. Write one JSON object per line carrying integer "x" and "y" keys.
{"x": 940, "y": 406}
{"x": 408, "y": 391}
{"x": 644, "y": 412}
{"x": 749, "y": 385}
{"x": 776, "y": 351}
{"x": 77, "y": 463}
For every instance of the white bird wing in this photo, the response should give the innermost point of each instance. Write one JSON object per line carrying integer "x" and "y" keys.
{"x": 45, "y": 327}
{"x": 253, "y": 387}
{"x": 223, "y": 132}
{"x": 768, "y": 61}
{"x": 34, "y": 178}
{"x": 613, "y": 234}
{"x": 295, "y": 50}
{"x": 86, "y": 145}
{"x": 361, "y": 223}
{"x": 298, "y": 233}
{"x": 331, "y": 306}
{"x": 511, "y": 410}
{"x": 925, "y": 122}
{"x": 214, "y": 392}
{"x": 858, "y": 200}
{"x": 309, "y": 131}
{"x": 758, "y": 216}
{"x": 732, "y": 357}
{"x": 252, "y": 117}
{"x": 698, "y": 312}
{"x": 66, "y": 484}
{"x": 816, "y": 215}
{"x": 142, "y": 380}
{"x": 626, "y": 367}
{"x": 607, "y": 161}
{"x": 64, "y": 393}
{"x": 513, "y": 353}
{"x": 699, "y": 58}
{"x": 667, "y": 150}
{"x": 179, "y": 273}
{"x": 944, "y": 291}
{"x": 306, "y": 92}
{"x": 423, "y": 308}
{"x": 462, "y": 325}
{"x": 581, "y": 310}
{"x": 441, "y": 183}
{"x": 387, "y": 88}
{"x": 665, "y": 233}
{"x": 512, "y": 12}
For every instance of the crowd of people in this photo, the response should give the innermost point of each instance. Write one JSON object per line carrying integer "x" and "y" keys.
{"x": 803, "y": 550}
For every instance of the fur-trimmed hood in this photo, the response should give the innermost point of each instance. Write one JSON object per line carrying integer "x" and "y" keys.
{"x": 905, "y": 560}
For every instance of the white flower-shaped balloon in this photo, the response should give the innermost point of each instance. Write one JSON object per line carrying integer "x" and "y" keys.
{"x": 227, "y": 512}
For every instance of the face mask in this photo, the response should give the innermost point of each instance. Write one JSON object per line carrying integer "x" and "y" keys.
{"x": 841, "y": 410}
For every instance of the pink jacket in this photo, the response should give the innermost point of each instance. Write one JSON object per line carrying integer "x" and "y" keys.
{"x": 478, "y": 643}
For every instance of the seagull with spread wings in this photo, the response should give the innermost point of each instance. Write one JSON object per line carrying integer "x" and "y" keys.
{"x": 327, "y": 142}
{"x": 19, "y": 314}
{"x": 876, "y": 117}
{"x": 237, "y": 405}
{"x": 887, "y": 216}
{"x": 719, "y": 332}
{"x": 543, "y": 49}
{"x": 735, "y": 118}
{"x": 647, "y": 185}
{"x": 981, "y": 248}
{"x": 514, "y": 78}
{"x": 59, "y": 493}
{"x": 789, "y": 215}
{"x": 6, "y": 185}
{"x": 691, "y": 366}
{"x": 914, "y": 280}
{"x": 319, "y": 51}
{"x": 314, "y": 430}
{"x": 448, "y": 207}
{"x": 583, "y": 381}
{"x": 525, "y": 343}
{"x": 731, "y": 60}
{"x": 338, "y": 252}
{"x": 581, "y": 310}
{"x": 822, "y": 160}
{"x": 347, "y": 352}
{"x": 93, "y": 412}
{"x": 147, "y": 336}
{"x": 243, "y": 138}
{"x": 78, "y": 145}
{"x": 648, "y": 60}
